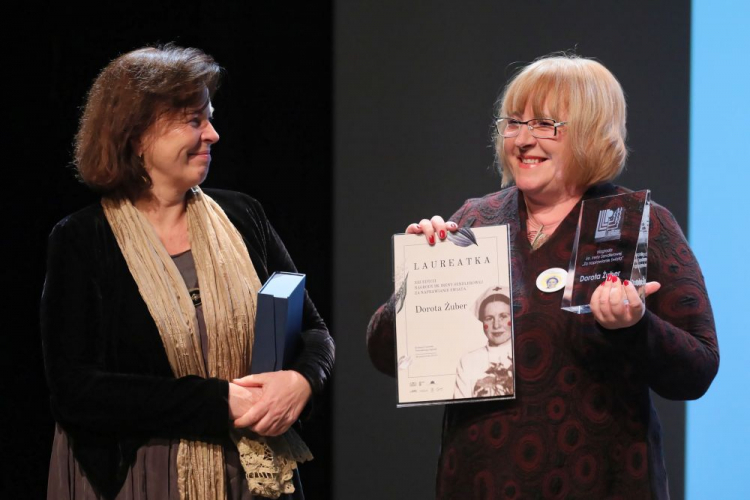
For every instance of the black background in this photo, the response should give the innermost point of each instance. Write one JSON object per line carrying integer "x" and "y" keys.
{"x": 273, "y": 113}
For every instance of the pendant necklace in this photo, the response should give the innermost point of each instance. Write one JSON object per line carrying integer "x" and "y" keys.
{"x": 537, "y": 237}
{"x": 535, "y": 232}
{"x": 555, "y": 278}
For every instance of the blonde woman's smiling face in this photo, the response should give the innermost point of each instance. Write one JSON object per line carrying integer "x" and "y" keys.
{"x": 537, "y": 165}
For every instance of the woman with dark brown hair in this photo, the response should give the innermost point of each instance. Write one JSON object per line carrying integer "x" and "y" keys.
{"x": 149, "y": 306}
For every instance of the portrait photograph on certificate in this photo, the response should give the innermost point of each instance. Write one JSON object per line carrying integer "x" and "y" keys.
{"x": 454, "y": 317}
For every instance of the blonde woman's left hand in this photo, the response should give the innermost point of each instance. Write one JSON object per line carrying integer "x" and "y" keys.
{"x": 284, "y": 395}
{"x": 609, "y": 307}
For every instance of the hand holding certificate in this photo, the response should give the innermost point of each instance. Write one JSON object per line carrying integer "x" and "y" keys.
{"x": 454, "y": 321}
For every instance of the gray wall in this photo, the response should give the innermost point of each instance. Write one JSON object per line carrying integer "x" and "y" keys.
{"x": 415, "y": 86}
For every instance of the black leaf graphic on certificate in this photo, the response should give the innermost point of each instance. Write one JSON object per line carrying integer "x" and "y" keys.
{"x": 401, "y": 294}
{"x": 464, "y": 237}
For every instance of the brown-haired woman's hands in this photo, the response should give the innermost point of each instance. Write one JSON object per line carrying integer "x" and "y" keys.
{"x": 432, "y": 229}
{"x": 241, "y": 399}
{"x": 283, "y": 396}
{"x": 609, "y": 307}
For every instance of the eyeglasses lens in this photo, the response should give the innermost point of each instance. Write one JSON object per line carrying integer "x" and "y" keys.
{"x": 541, "y": 129}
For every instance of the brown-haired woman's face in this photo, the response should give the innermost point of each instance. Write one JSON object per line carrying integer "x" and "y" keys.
{"x": 537, "y": 164}
{"x": 177, "y": 149}
{"x": 496, "y": 319}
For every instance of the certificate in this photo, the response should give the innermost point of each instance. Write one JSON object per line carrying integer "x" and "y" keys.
{"x": 454, "y": 320}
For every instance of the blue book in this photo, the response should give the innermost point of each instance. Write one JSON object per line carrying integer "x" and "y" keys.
{"x": 278, "y": 322}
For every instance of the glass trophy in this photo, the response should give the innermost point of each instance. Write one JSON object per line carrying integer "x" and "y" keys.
{"x": 611, "y": 238}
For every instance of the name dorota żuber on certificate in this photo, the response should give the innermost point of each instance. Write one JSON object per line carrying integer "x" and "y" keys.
{"x": 454, "y": 317}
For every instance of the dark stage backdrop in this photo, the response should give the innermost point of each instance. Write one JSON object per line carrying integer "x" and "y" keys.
{"x": 273, "y": 113}
{"x": 416, "y": 84}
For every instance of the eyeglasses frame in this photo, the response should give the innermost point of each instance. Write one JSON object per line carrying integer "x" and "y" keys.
{"x": 555, "y": 124}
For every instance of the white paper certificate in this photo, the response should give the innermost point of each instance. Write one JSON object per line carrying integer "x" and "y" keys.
{"x": 454, "y": 321}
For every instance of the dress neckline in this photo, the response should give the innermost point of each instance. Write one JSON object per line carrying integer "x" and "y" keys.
{"x": 567, "y": 224}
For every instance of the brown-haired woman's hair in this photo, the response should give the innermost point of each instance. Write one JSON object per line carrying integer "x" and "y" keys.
{"x": 127, "y": 97}
{"x": 592, "y": 103}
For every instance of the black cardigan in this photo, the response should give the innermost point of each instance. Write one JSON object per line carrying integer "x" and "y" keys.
{"x": 109, "y": 377}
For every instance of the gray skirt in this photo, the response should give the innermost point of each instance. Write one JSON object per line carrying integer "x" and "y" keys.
{"x": 153, "y": 475}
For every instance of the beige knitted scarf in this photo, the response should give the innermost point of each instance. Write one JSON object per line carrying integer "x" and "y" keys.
{"x": 229, "y": 287}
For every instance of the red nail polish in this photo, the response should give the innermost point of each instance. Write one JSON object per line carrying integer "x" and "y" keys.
{"x": 442, "y": 234}
{"x": 432, "y": 239}
{"x": 626, "y": 282}
{"x": 613, "y": 278}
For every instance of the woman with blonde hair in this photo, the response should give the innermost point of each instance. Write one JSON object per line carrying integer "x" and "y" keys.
{"x": 583, "y": 424}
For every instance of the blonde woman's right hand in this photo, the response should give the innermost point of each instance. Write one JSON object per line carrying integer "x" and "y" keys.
{"x": 432, "y": 229}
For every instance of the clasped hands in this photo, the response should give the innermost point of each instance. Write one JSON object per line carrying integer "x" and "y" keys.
{"x": 608, "y": 301}
{"x": 268, "y": 403}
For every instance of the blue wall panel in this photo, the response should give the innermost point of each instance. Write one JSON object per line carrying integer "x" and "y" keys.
{"x": 718, "y": 432}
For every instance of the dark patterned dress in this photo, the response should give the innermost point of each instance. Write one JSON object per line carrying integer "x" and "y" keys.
{"x": 583, "y": 425}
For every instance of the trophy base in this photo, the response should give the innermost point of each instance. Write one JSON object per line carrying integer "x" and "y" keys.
{"x": 585, "y": 309}
{"x": 578, "y": 309}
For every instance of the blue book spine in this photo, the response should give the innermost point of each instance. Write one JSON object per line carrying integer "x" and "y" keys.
{"x": 264, "y": 346}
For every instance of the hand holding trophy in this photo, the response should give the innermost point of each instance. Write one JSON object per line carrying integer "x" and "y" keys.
{"x": 607, "y": 272}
